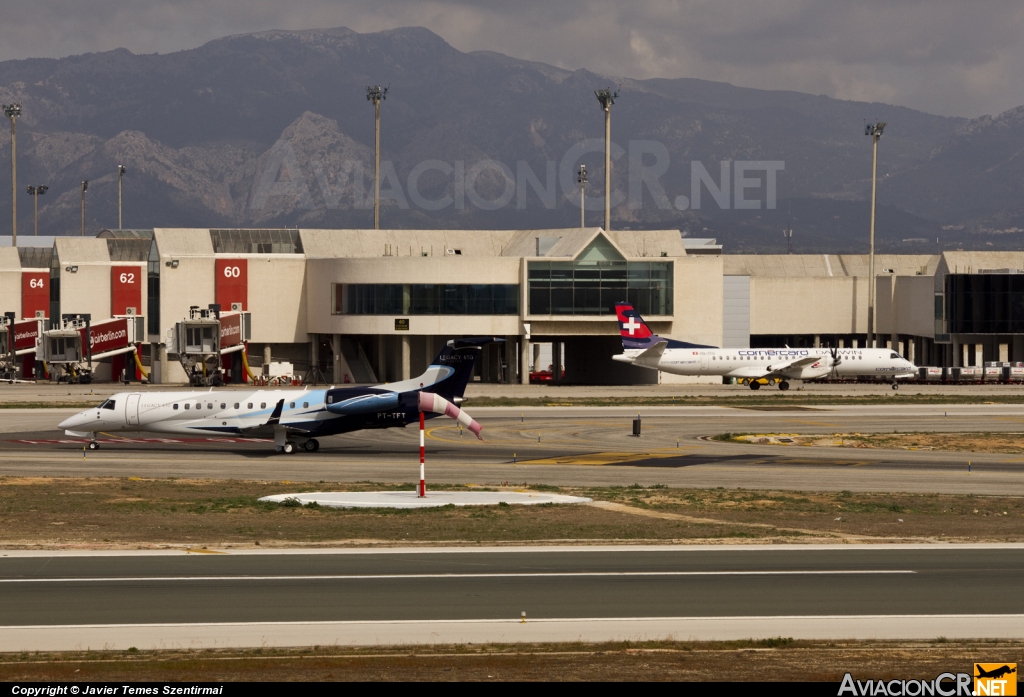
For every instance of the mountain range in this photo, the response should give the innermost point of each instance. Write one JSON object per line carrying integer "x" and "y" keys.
{"x": 274, "y": 129}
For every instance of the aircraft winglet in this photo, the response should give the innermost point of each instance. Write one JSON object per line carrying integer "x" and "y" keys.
{"x": 275, "y": 417}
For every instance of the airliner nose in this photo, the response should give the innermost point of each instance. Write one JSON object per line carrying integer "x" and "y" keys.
{"x": 72, "y": 422}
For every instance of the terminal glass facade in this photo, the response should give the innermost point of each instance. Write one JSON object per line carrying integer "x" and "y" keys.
{"x": 592, "y": 287}
{"x": 256, "y": 241}
{"x": 985, "y": 303}
{"x": 425, "y": 299}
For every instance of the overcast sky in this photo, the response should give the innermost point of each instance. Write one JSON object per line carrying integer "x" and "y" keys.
{"x": 943, "y": 56}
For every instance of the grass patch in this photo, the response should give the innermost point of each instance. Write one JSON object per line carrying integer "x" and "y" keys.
{"x": 772, "y": 659}
{"x": 970, "y": 442}
{"x": 118, "y": 512}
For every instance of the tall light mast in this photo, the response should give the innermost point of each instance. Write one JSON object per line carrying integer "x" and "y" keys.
{"x": 875, "y": 131}
{"x": 13, "y": 111}
{"x": 376, "y": 94}
{"x": 35, "y": 192}
{"x": 606, "y": 98}
{"x": 85, "y": 187}
{"x": 581, "y": 179}
{"x": 120, "y": 173}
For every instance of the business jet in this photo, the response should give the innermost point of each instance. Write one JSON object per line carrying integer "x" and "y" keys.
{"x": 641, "y": 347}
{"x": 294, "y": 418}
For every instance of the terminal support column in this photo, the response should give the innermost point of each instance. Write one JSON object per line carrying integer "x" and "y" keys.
{"x": 382, "y": 358}
{"x": 406, "y": 357}
{"x": 336, "y": 369}
{"x": 524, "y": 361}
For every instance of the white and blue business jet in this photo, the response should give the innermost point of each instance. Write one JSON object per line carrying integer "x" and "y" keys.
{"x": 294, "y": 418}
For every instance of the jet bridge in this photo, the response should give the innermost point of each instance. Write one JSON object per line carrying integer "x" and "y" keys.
{"x": 7, "y": 358}
{"x": 18, "y": 347}
{"x": 204, "y": 343}
{"x": 72, "y": 349}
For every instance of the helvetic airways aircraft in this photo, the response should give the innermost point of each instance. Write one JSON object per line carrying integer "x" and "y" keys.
{"x": 293, "y": 418}
{"x": 641, "y": 347}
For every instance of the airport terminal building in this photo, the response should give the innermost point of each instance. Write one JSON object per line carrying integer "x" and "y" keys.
{"x": 377, "y": 305}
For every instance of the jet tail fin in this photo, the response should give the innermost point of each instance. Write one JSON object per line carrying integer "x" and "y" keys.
{"x": 634, "y": 331}
{"x": 636, "y": 334}
{"x": 459, "y": 357}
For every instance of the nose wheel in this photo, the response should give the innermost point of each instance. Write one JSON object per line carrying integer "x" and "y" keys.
{"x": 93, "y": 445}
{"x": 895, "y": 385}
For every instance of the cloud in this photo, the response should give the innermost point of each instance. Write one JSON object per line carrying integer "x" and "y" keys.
{"x": 942, "y": 56}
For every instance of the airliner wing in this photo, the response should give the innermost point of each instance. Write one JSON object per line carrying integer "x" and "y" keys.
{"x": 775, "y": 369}
{"x": 267, "y": 428}
{"x": 787, "y": 366}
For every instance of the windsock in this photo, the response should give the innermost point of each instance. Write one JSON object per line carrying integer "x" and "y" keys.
{"x": 436, "y": 404}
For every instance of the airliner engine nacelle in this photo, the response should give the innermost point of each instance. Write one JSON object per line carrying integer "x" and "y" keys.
{"x": 364, "y": 404}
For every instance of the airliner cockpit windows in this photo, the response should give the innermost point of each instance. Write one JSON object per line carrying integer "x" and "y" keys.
{"x": 109, "y": 404}
{"x": 895, "y": 355}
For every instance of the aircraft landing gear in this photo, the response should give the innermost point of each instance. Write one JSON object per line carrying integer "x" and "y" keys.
{"x": 288, "y": 448}
{"x": 895, "y": 385}
{"x": 784, "y": 385}
{"x": 93, "y": 445}
{"x": 311, "y": 445}
{"x": 755, "y": 385}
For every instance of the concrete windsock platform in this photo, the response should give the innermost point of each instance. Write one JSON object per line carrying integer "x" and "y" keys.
{"x": 410, "y": 499}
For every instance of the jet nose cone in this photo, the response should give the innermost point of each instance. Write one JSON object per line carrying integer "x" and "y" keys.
{"x": 73, "y": 421}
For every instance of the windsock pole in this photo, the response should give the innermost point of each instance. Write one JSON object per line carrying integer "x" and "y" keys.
{"x": 423, "y": 481}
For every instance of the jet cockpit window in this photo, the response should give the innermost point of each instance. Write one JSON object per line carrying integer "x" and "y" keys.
{"x": 895, "y": 355}
{"x": 109, "y": 404}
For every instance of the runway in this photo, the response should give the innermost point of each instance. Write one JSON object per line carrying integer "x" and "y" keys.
{"x": 368, "y": 597}
{"x": 563, "y": 446}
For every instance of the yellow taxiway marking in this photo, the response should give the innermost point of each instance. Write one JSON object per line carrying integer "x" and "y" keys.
{"x": 603, "y": 458}
{"x": 522, "y": 438}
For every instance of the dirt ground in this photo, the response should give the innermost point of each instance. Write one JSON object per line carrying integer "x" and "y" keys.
{"x": 1011, "y": 443}
{"x": 133, "y": 512}
{"x": 768, "y": 660}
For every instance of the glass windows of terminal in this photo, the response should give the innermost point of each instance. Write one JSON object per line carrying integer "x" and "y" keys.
{"x": 426, "y": 299}
{"x": 984, "y": 303}
{"x": 592, "y": 287}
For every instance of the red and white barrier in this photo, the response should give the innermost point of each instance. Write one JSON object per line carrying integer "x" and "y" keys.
{"x": 423, "y": 452}
{"x": 436, "y": 404}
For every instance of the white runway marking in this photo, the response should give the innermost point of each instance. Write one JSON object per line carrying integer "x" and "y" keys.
{"x": 378, "y": 577}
